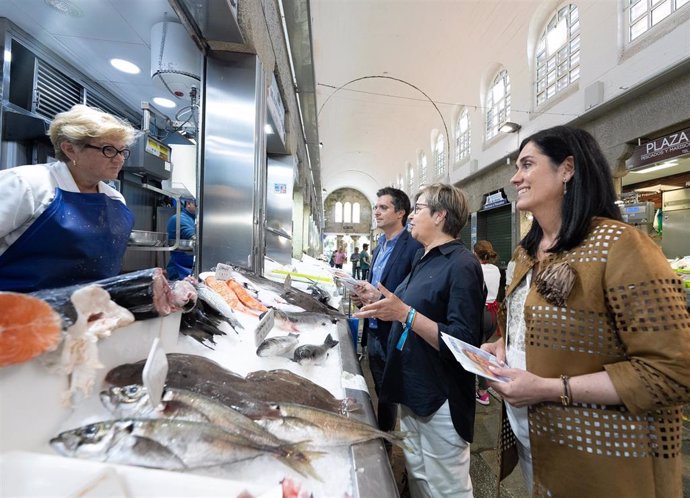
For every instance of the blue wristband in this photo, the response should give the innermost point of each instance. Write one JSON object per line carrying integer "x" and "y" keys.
{"x": 408, "y": 325}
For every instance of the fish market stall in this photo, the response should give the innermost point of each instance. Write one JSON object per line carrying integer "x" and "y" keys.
{"x": 35, "y": 409}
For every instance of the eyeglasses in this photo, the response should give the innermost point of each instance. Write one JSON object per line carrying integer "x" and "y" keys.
{"x": 109, "y": 151}
{"x": 419, "y": 206}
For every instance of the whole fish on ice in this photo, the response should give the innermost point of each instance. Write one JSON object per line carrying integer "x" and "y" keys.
{"x": 168, "y": 444}
{"x": 312, "y": 354}
{"x": 297, "y": 321}
{"x": 278, "y": 346}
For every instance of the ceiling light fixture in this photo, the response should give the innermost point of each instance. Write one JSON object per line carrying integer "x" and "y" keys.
{"x": 163, "y": 102}
{"x": 65, "y": 7}
{"x": 125, "y": 66}
{"x": 658, "y": 166}
{"x": 509, "y": 127}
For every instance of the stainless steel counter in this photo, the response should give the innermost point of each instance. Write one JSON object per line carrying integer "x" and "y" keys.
{"x": 371, "y": 470}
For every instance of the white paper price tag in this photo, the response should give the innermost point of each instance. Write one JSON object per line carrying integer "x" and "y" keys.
{"x": 155, "y": 371}
{"x": 264, "y": 327}
{"x": 223, "y": 272}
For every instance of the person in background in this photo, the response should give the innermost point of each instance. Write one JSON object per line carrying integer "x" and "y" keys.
{"x": 597, "y": 343}
{"x": 340, "y": 257}
{"x": 60, "y": 224}
{"x": 181, "y": 263}
{"x": 364, "y": 261}
{"x": 484, "y": 250}
{"x": 443, "y": 293}
{"x": 354, "y": 258}
{"x": 392, "y": 261}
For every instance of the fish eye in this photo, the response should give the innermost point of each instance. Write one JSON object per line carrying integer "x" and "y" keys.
{"x": 131, "y": 390}
{"x": 89, "y": 432}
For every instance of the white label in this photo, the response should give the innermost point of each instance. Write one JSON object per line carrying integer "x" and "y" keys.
{"x": 223, "y": 272}
{"x": 264, "y": 327}
{"x": 155, "y": 371}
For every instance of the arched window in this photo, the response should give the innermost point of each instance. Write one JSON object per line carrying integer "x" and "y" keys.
{"x": 645, "y": 14}
{"x": 440, "y": 155}
{"x": 462, "y": 136}
{"x": 347, "y": 213}
{"x": 497, "y": 104}
{"x": 410, "y": 177}
{"x": 422, "y": 169}
{"x": 338, "y": 212}
{"x": 558, "y": 53}
{"x": 355, "y": 212}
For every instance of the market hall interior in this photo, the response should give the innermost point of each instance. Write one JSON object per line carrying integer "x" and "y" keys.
{"x": 283, "y": 120}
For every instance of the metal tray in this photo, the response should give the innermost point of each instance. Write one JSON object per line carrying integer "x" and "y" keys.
{"x": 147, "y": 239}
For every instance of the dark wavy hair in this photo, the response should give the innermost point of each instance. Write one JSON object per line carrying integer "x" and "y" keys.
{"x": 401, "y": 202}
{"x": 590, "y": 191}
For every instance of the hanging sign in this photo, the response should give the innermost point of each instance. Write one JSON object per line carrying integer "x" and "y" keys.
{"x": 494, "y": 199}
{"x": 662, "y": 149}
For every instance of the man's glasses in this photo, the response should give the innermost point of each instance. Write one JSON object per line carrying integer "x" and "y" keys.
{"x": 109, "y": 151}
{"x": 419, "y": 206}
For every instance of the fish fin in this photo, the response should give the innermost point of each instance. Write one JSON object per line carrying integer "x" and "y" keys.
{"x": 348, "y": 405}
{"x": 145, "y": 447}
{"x": 297, "y": 458}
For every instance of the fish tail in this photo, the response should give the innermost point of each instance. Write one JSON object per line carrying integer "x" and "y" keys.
{"x": 329, "y": 341}
{"x": 397, "y": 438}
{"x": 297, "y": 458}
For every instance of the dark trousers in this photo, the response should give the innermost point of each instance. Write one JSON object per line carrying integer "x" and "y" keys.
{"x": 365, "y": 273}
{"x": 387, "y": 413}
{"x": 355, "y": 272}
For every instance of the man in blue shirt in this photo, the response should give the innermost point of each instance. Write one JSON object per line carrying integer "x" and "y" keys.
{"x": 182, "y": 262}
{"x": 391, "y": 262}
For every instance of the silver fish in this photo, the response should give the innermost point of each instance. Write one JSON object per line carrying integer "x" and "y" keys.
{"x": 312, "y": 354}
{"x": 168, "y": 444}
{"x": 133, "y": 402}
{"x": 211, "y": 297}
{"x": 283, "y": 345}
{"x": 295, "y": 321}
{"x": 323, "y": 428}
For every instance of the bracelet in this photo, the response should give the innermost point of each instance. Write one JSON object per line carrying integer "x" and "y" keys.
{"x": 566, "y": 397}
{"x": 411, "y": 315}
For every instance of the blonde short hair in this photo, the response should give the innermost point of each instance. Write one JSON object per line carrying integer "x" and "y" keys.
{"x": 452, "y": 200}
{"x": 82, "y": 123}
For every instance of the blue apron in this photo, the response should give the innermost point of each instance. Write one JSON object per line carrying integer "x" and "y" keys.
{"x": 78, "y": 238}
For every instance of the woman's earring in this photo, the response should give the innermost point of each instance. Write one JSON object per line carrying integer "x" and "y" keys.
{"x": 565, "y": 186}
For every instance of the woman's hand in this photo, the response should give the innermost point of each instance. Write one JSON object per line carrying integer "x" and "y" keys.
{"x": 364, "y": 293}
{"x": 497, "y": 348}
{"x": 389, "y": 308}
{"x": 524, "y": 388}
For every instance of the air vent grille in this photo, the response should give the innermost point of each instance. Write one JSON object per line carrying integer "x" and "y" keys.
{"x": 55, "y": 91}
{"x": 94, "y": 100}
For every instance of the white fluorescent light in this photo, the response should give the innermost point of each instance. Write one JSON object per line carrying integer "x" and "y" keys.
{"x": 163, "y": 102}
{"x": 657, "y": 167}
{"x": 268, "y": 129}
{"x": 125, "y": 66}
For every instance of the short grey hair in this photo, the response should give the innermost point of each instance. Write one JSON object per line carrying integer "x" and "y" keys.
{"x": 82, "y": 123}
{"x": 448, "y": 198}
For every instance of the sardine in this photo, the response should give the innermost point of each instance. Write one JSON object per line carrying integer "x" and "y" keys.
{"x": 323, "y": 428}
{"x": 169, "y": 444}
{"x": 312, "y": 354}
{"x": 294, "y": 322}
{"x": 250, "y": 396}
{"x": 278, "y": 346}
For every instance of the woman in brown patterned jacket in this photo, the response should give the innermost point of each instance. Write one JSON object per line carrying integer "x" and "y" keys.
{"x": 598, "y": 335}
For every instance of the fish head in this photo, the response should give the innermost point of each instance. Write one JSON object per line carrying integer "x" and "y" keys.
{"x": 129, "y": 399}
{"x": 91, "y": 441}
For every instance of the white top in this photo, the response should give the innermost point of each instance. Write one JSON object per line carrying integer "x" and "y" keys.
{"x": 492, "y": 279}
{"x": 26, "y": 191}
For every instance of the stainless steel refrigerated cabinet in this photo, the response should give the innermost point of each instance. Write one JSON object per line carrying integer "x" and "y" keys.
{"x": 675, "y": 240}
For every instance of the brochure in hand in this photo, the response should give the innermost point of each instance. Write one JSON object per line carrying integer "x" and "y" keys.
{"x": 473, "y": 359}
{"x": 346, "y": 279}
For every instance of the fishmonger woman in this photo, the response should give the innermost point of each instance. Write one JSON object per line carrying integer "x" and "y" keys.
{"x": 59, "y": 223}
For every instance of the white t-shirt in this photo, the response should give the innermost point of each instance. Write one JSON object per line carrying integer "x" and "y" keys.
{"x": 492, "y": 279}
{"x": 26, "y": 191}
